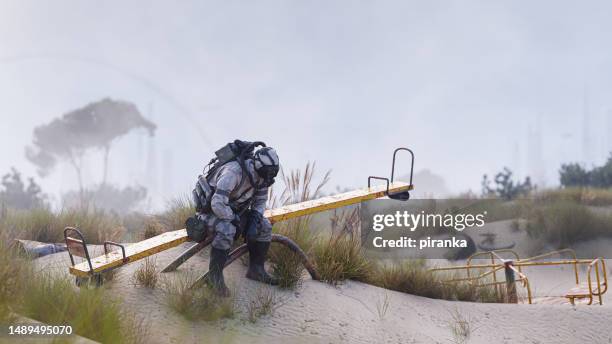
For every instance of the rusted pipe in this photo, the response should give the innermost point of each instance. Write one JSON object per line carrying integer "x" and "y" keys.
{"x": 281, "y": 239}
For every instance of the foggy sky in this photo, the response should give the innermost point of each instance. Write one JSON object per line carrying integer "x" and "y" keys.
{"x": 342, "y": 83}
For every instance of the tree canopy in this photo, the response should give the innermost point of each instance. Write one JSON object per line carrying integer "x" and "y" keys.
{"x": 15, "y": 194}
{"x": 575, "y": 175}
{"x": 95, "y": 125}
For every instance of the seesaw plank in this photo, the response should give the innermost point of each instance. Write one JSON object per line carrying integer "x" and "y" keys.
{"x": 172, "y": 239}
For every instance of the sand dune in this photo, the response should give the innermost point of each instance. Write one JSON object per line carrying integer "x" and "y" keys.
{"x": 320, "y": 313}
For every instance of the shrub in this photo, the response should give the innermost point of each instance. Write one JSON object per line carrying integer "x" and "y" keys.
{"x": 575, "y": 175}
{"x": 505, "y": 187}
{"x": 15, "y": 194}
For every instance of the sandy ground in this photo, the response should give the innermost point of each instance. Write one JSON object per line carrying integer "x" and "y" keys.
{"x": 320, "y": 313}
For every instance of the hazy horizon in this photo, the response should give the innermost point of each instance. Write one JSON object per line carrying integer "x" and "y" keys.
{"x": 340, "y": 83}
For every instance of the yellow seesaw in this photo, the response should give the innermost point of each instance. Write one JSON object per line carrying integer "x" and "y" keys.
{"x": 93, "y": 267}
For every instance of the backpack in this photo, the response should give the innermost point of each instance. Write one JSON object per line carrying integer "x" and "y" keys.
{"x": 234, "y": 151}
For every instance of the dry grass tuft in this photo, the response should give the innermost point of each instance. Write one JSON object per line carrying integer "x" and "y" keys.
{"x": 14, "y": 273}
{"x": 564, "y": 223}
{"x": 287, "y": 266}
{"x": 461, "y": 327}
{"x": 264, "y": 302}
{"x": 46, "y": 226}
{"x": 152, "y": 227}
{"x": 340, "y": 258}
{"x": 178, "y": 210}
{"x": 585, "y": 196}
{"x": 198, "y": 303}
{"x": 298, "y": 188}
{"x": 412, "y": 277}
{"x": 146, "y": 275}
{"x": 92, "y": 313}
{"x": 299, "y": 185}
{"x": 382, "y": 305}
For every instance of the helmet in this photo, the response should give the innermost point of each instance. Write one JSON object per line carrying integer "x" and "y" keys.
{"x": 266, "y": 164}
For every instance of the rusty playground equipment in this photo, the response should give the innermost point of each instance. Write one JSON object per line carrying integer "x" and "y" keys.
{"x": 485, "y": 275}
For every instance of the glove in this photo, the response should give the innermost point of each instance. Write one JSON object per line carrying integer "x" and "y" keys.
{"x": 196, "y": 228}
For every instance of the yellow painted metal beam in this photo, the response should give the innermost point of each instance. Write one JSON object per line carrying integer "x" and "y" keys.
{"x": 172, "y": 239}
{"x": 133, "y": 253}
{"x": 333, "y": 202}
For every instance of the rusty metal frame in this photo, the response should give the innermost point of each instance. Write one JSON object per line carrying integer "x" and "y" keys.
{"x": 68, "y": 239}
{"x": 598, "y": 263}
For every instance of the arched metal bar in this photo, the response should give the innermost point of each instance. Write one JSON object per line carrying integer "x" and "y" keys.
{"x": 77, "y": 247}
{"x": 411, "y": 162}
{"x": 379, "y": 178}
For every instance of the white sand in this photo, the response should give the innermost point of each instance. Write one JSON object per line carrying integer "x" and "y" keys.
{"x": 319, "y": 313}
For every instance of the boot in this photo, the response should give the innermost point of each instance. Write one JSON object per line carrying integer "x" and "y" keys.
{"x": 258, "y": 252}
{"x": 215, "y": 272}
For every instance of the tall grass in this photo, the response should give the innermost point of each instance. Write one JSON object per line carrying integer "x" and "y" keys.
{"x": 195, "y": 303}
{"x": 585, "y": 196}
{"x": 44, "y": 225}
{"x": 92, "y": 313}
{"x": 152, "y": 227}
{"x": 299, "y": 187}
{"x": 177, "y": 212}
{"x": 412, "y": 277}
{"x": 14, "y": 272}
{"x": 286, "y": 265}
{"x": 146, "y": 275}
{"x": 339, "y": 258}
{"x": 565, "y": 223}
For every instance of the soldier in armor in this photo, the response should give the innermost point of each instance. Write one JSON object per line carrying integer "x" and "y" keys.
{"x": 240, "y": 193}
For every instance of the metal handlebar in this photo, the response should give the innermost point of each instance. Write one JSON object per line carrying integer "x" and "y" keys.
{"x": 411, "y": 162}
{"x": 111, "y": 243}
